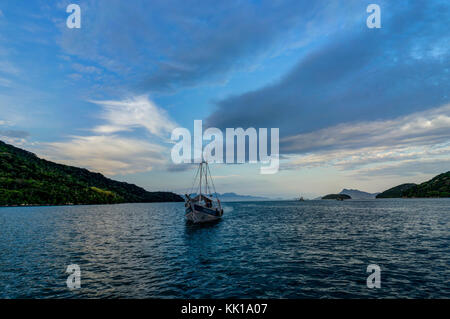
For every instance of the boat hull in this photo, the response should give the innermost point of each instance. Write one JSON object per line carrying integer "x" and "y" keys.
{"x": 200, "y": 214}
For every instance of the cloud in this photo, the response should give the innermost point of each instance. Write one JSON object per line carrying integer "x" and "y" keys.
{"x": 408, "y": 168}
{"x": 133, "y": 113}
{"x": 420, "y": 128}
{"x": 171, "y": 167}
{"x": 8, "y": 68}
{"x": 421, "y": 139}
{"x": 357, "y": 75}
{"x": 109, "y": 151}
{"x": 12, "y": 136}
{"x": 5, "y": 83}
{"x": 167, "y": 45}
{"x": 13, "y": 133}
{"x": 225, "y": 42}
{"x": 89, "y": 69}
{"x": 108, "y": 154}
{"x": 75, "y": 76}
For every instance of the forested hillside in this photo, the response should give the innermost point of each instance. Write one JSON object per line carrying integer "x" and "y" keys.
{"x": 26, "y": 179}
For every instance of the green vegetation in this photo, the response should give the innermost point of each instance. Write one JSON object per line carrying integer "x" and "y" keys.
{"x": 438, "y": 186}
{"x": 26, "y": 179}
{"x": 395, "y": 192}
{"x": 337, "y": 196}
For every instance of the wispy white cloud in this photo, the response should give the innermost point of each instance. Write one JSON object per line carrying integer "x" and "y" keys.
{"x": 12, "y": 136}
{"x": 420, "y": 128}
{"x": 75, "y": 76}
{"x": 5, "y": 82}
{"x": 108, "y": 154}
{"x": 9, "y": 68}
{"x": 13, "y": 140}
{"x": 413, "y": 167}
{"x": 378, "y": 146}
{"x": 134, "y": 113}
{"x": 108, "y": 151}
{"x": 90, "y": 69}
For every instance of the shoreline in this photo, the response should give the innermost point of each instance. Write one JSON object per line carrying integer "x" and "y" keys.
{"x": 287, "y": 200}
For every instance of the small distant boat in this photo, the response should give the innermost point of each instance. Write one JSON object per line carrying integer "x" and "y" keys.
{"x": 205, "y": 206}
{"x": 301, "y": 199}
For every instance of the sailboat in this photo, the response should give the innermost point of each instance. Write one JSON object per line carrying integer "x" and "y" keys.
{"x": 205, "y": 205}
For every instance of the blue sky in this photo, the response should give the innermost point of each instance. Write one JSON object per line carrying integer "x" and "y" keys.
{"x": 356, "y": 107}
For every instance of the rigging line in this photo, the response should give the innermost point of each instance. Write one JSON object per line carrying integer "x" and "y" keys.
{"x": 193, "y": 182}
{"x": 206, "y": 179}
{"x": 198, "y": 185}
{"x": 212, "y": 182}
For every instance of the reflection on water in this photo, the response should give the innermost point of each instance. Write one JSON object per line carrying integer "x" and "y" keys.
{"x": 311, "y": 249}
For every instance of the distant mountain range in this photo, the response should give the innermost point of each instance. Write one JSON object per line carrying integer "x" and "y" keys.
{"x": 233, "y": 197}
{"x": 26, "y": 179}
{"x": 357, "y": 194}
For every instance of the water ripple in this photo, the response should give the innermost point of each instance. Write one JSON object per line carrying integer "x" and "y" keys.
{"x": 313, "y": 249}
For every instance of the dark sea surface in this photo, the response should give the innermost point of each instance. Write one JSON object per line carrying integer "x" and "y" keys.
{"x": 311, "y": 249}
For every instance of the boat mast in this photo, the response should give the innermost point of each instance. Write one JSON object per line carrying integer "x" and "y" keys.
{"x": 214, "y": 192}
{"x": 206, "y": 178}
{"x": 200, "y": 181}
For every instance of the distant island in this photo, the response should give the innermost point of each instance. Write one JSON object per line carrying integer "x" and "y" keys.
{"x": 357, "y": 194}
{"x": 26, "y": 179}
{"x": 337, "y": 196}
{"x": 438, "y": 186}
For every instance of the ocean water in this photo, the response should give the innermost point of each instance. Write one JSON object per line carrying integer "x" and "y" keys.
{"x": 312, "y": 249}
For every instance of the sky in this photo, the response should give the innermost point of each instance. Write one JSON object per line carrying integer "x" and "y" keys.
{"x": 356, "y": 107}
